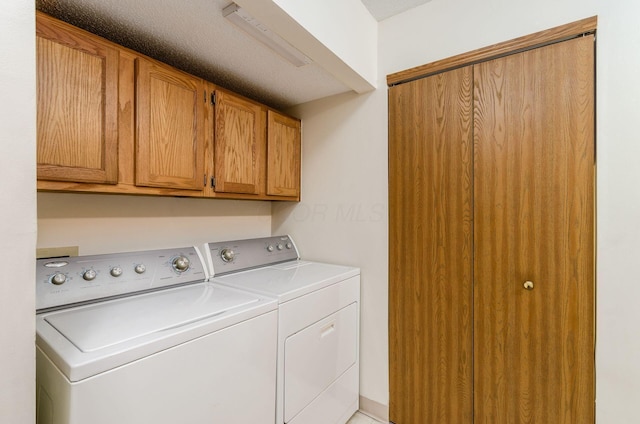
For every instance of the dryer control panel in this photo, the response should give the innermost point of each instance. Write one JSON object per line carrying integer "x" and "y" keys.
{"x": 66, "y": 281}
{"x": 237, "y": 255}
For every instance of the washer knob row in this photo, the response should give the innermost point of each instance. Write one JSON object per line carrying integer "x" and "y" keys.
{"x": 279, "y": 246}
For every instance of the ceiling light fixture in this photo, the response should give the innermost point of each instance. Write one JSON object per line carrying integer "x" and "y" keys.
{"x": 260, "y": 32}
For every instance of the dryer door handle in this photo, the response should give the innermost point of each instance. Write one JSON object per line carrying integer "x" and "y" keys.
{"x": 328, "y": 329}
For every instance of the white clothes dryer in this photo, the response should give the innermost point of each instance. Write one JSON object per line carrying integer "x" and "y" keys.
{"x": 142, "y": 338}
{"x": 318, "y": 324}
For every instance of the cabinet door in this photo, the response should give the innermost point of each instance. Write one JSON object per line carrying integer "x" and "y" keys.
{"x": 239, "y": 144}
{"x": 283, "y": 155}
{"x": 430, "y": 248}
{"x": 170, "y": 127}
{"x": 534, "y": 221}
{"x": 77, "y": 104}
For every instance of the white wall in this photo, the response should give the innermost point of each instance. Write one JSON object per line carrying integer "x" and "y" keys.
{"x": 618, "y": 150}
{"x": 18, "y": 209}
{"x": 105, "y": 224}
{"x": 345, "y": 165}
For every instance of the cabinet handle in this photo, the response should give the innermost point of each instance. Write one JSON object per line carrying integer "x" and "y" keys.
{"x": 528, "y": 285}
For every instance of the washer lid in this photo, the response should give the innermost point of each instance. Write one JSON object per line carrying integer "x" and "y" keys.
{"x": 288, "y": 280}
{"x": 87, "y": 340}
{"x": 105, "y": 324}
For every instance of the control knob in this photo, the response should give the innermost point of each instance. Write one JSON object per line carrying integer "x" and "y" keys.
{"x": 58, "y": 278}
{"x": 116, "y": 271}
{"x": 140, "y": 269}
{"x": 227, "y": 255}
{"x": 280, "y": 246}
{"x": 89, "y": 275}
{"x": 181, "y": 263}
{"x": 270, "y": 248}
{"x": 289, "y": 245}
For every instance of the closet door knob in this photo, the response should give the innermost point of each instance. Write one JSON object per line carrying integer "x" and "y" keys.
{"x": 528, "y": 285}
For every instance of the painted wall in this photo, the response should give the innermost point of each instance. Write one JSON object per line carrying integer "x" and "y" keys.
{"x": 105, "y": 224}
{"x": 618, "y": 148}
{"x": 345, "y": 168}
{"x": 18, "y": 216}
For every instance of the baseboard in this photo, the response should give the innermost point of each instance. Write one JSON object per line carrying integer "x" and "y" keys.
{"x": 374, "y": 409}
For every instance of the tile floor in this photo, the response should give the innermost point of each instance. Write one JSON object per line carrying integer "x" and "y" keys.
{"x": 360, "y": 418}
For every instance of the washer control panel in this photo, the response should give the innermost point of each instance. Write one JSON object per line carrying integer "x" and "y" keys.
{"x": 65, "y": 281}
{"x": 237, "y": 255}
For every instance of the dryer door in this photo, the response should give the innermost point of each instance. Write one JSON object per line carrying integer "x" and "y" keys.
{"x": 316, "y": 356}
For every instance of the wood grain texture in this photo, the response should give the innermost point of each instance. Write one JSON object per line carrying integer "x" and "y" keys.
{"x": 127, "y": 118}
{"x": 534, "y": 220}
{"x": 77, "y": 95}
{"x": 430, "y": 248}
{"x": 283, "y": 155}
{"x": 120, "y": 150}
{"x": 543, "y": 37}
{"x": 170, "y": 127}
{"x": 240, "y": 142}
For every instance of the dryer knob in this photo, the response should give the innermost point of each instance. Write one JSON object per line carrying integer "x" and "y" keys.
{"x": 116, "y": 271}
{"x": 140, "y": 269}
{"x": 181, "y": 263}
{"x": 89, "y": 275}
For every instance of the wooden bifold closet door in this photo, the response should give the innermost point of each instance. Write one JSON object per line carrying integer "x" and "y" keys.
{"x": 430, "y": 242}
{"x": 491, "y": 241}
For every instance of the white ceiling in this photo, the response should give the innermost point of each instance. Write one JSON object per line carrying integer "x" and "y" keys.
{"x": 383, "y": 9}
{"x": 195, "y": 37}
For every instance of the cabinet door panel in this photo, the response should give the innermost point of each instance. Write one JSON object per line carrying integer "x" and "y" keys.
{"x": 239, "y": 142}
{"x": 77, "y": 110}
{"x": 170, "y": 128}
{"x": 283, "y": 155}
{"x": 430, "y": 247}
{"x": 534, "y": 220}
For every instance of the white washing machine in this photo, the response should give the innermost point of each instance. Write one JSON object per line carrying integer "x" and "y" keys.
{"x": 318, "y": 324}
{"x": 142, "y": 338}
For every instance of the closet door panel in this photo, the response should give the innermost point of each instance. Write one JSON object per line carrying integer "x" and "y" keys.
{"x": 534, "y": 221}
{"x": 430, "y": 262}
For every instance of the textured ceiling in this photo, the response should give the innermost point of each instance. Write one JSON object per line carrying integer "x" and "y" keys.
{"x": 194, "y": 36}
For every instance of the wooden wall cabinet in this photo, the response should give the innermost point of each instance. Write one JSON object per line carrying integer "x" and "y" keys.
{"x": 111, "y": 120}
{"x": 77, "y": 105}
{"x": 170, "y": 123}
{"x": 239, "y": 144}
{"x": 283, "y": 155}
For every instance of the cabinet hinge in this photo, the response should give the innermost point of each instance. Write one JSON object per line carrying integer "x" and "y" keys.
{"x": 213, "y": 98}
{"x": 213, "y": 182}
{"x": 205, "y": 96}
{"x": 205, "y": 180}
